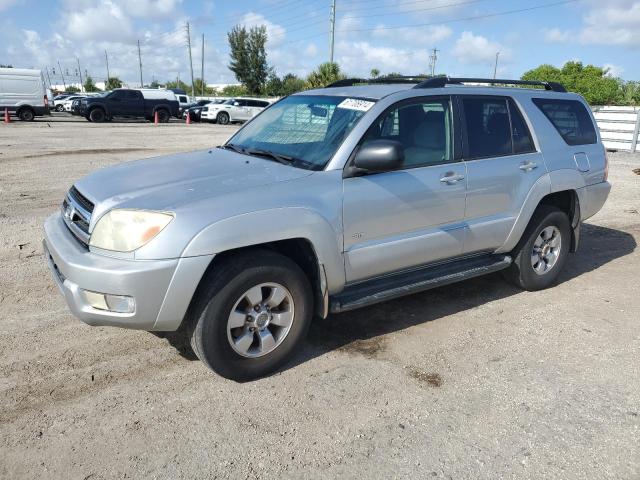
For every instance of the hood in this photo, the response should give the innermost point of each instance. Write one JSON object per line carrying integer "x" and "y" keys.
{"x": 169, "y": 182}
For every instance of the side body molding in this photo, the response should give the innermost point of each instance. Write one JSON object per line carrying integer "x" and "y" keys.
{"x": 270, "y": 225}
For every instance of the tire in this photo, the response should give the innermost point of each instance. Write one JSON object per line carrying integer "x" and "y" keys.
{"x": 163, "y": 115}
{"x": 223, "y": 118}
{"x": 59, "y": 108}
{"x": 97, "y": 115}
{"x": 209, "y": 320}
{"x": 549, "y": 231}
{"x": 26, "y": 115}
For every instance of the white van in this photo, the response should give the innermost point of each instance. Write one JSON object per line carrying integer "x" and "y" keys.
{"x": 24, "y": 93}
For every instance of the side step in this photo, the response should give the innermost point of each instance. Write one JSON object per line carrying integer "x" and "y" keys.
{"x": 405, "y": 283}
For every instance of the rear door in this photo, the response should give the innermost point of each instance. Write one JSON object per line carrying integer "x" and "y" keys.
{"x": 241, "y": 111}
{"x": 503, "y": 164}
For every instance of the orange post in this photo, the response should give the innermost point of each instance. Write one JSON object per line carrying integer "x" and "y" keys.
{"x": 6, "y": 116}
{"x": 155, "y": 118}
{"x": 188, "y": 118}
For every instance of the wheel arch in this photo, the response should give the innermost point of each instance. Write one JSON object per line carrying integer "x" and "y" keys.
{"x": 563, "y": 195}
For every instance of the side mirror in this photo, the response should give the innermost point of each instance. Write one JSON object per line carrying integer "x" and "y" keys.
{"x": 236, "y": 104}
{"x": 379, "y": 155}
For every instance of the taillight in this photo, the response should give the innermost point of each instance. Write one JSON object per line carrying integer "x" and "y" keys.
{"x": 606, "y": 166}
{"x": 46, "y": 101}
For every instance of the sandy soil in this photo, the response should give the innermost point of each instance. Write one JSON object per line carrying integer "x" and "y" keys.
{"x": 474, "y": 380}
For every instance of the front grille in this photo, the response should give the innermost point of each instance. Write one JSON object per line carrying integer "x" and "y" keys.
{"x": 81, "y": 199}
{"x": 76, "y": 212}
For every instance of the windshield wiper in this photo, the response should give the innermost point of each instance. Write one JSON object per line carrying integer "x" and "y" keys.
{"x": 284, "y": 159}
{"x": 231, "y": 146}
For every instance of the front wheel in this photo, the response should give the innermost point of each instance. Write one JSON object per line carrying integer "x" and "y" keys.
{"x": 542, "y": 251}
{"x": 223, "y": 118}
{"x": 26, "y": 115}
{"x": 59, "y": 108}
{"x": 97, "y": 115}
{"x": 250, "y": 315}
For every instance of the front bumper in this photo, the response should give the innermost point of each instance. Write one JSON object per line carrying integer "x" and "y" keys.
{"x": 162, "y": 289}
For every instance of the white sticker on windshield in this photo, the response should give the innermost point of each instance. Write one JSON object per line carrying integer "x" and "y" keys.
{"x": 355, "y": 104}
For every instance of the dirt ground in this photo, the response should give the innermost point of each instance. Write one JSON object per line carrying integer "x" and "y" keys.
{"x": 473, "y": 380}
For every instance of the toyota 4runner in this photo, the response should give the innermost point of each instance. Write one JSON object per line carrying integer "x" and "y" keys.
{"x": 329, "y": 200}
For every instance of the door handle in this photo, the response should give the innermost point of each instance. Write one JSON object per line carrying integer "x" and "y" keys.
{"x": 452, "y": 178}
{"x": 527, "y": 167}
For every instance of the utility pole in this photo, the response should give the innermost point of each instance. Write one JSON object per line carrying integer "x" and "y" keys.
{"x": 193, "y": 93}
{"x": 80, "y": 73}
{"x": 106, "y": 57}
{"x": 140, "y": 62}
{"x": 432, "y": 61}
{"x": 48, "y": 77}
{"x": 332, "y": 19}
{"x": 202, "y": 69}
{"x": 62, "y": 75}
{"x": 495, "y": 67}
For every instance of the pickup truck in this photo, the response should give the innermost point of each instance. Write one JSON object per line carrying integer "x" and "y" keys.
{"x": 128, "y": 103}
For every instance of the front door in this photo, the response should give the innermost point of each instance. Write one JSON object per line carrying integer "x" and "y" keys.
{"x": 413, "y": 215}
{"x": 502, "y": 167}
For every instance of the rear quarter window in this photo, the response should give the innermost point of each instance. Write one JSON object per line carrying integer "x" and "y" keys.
{"x": 570, "y": 118}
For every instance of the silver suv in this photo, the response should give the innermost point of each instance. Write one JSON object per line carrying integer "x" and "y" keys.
{"x": 329, "y": 200}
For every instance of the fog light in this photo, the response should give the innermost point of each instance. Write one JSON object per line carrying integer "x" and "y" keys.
{"x": 110, "y": 303}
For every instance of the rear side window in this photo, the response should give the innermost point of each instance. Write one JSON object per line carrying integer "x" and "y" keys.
{"x": 495, "y": 127}
{"x": 522, "y": 141}
{"x": 570, "y": 118}
{"x": 487, "y": 126}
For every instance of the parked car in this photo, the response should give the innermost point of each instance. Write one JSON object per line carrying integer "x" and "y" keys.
{"x": 330, "y": 200}
{"x": 129, "y": 103}
{"x": 233, "y": 110}
{"x": 195, "y": 111}
{"x": 23, "y": 93}
{"x": 67, "y": 102}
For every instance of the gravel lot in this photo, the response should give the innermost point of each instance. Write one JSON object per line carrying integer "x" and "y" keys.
{"x": 474, "y": 380}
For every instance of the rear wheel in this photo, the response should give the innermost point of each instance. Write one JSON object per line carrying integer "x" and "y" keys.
{"x": 163, "y": 116}
{"x": 542, "y": 251}
{"x": 97, "y": 115}
{"x": 26, "y": 115}
{"x": 59, "y": 108}
{"x": 223, "y": 118}
{"x": 251, "y": 315}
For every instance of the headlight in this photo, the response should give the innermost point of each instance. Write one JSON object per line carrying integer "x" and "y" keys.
{"x": 128, "y": 230}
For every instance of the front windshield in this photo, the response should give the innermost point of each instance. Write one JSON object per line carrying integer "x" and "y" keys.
{"x": 306, "y": 128}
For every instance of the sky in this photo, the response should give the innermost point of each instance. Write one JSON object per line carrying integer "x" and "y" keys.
{"x": 391, "y": 36}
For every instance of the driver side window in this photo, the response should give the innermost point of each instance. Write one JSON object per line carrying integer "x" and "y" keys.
{"x": 424, "y": 128}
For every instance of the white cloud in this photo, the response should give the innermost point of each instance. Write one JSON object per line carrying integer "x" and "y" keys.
{"x": 614, "y": 22}
{"x": 275, "y": 33}
{"x": 613, "y": 70}
{"x": 106, "y": 21}
{"x": 151, "y": 8}
{"x": 429, "y": 36}
{"x": 555, "y": 35}
{"x": 311, "y": 50}
{"x": 358, "y": 58}
{"x": 476, "y": 49}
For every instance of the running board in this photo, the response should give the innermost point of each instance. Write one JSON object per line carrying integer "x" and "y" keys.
{"x": 405, "y": 283}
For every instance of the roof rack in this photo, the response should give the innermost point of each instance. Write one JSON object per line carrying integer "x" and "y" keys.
{"x": 440, "y": 82}
{"x": 349, "y": 82}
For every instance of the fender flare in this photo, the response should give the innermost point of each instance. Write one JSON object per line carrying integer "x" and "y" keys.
{"x": 272, "y": 225}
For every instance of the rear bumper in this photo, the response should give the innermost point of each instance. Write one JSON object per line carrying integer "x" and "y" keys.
{"x": 161, "y": 289}
{"x": 592, "y": 198}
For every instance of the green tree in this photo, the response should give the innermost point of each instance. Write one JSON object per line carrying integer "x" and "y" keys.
{"x": 274, "y": 86}
{"x": 249, "y": 56}
{"x": 72, "y": 89}
{"x": 234, "y": 91}
{"x": 200, "y": 87}
{"x": 375, "y": 73}
{"x": 590, "y": 81}
{"x": 325, "y": 74}
{"x": 154, "y": 84}
{"x": 629, "y": 93}
{"x": 178, "y": 84}
{"x": 89, "y": 85}
{"x": 291, "y": 84}
{"x": 112, "y": 83}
